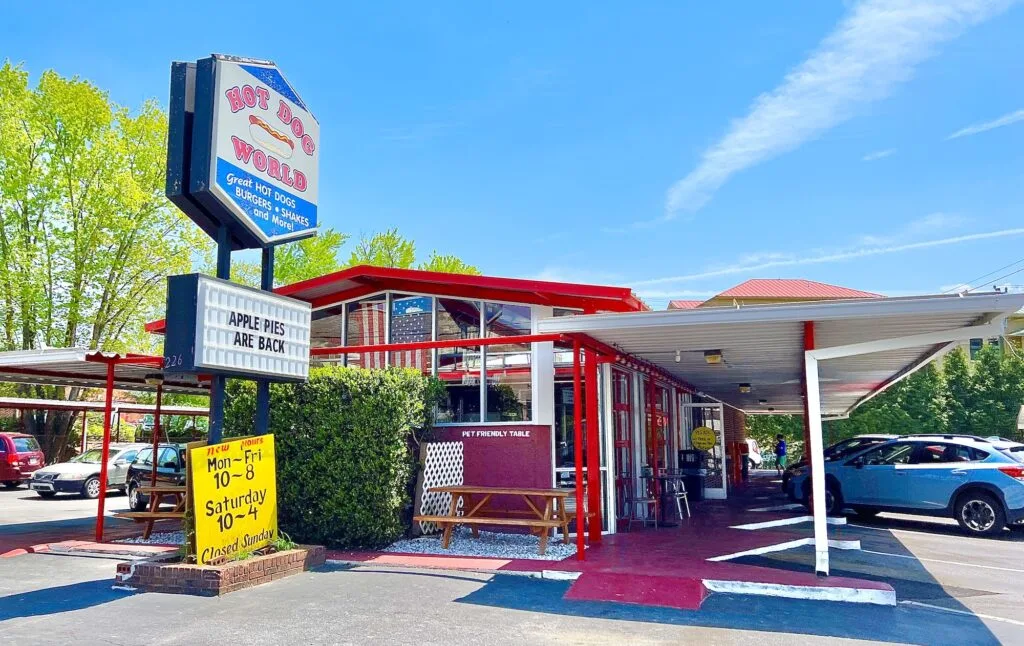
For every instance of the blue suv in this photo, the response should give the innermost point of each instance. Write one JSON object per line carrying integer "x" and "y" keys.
{"x": 978, "y": 482}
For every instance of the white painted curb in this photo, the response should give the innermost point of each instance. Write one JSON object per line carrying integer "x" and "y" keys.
{"x": 814, "y": 593}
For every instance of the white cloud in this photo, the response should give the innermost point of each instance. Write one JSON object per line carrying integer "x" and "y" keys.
{"x": 873, "y": 49}
{"x": 878, "y": 154}
{"x": 819, "y": 258}
{"x": 976, "y": 128}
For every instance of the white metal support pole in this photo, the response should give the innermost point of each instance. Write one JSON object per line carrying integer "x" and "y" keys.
{"x": 817, "y": 465}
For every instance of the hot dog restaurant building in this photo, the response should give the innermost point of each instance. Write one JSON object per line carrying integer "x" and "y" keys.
{"x": 539, "y": 373}
{"x": 548, "y": 384}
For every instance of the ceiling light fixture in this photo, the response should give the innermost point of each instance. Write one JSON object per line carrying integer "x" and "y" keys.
{"x": 713, "y": 357}
{"x": 744, "y": 388}
{"x": 679, "y": 356}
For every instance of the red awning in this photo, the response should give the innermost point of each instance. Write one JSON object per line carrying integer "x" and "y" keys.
{"x": 363, "y": 280}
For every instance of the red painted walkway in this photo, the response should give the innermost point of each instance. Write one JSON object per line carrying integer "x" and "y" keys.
{"x": 663, "y": 567}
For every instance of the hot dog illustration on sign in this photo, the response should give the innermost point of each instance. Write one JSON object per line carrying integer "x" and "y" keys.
{"x": 266, "y": 156}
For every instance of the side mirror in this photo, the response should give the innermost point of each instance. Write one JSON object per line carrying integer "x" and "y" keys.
{"x": 170, "y": 465}
{"x": 120, "y": 462}
{"x": 858, "y": 462}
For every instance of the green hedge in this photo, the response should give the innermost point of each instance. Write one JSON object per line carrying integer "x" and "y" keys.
{"x": 345, "y": 457}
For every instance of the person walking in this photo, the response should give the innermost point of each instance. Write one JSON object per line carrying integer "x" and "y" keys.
{"x": 780, "y": 454}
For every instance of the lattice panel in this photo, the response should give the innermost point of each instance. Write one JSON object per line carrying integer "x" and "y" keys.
{"x": 442, "y": 468}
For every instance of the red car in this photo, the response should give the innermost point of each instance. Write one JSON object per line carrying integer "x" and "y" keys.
{"x": 20, "y": 455}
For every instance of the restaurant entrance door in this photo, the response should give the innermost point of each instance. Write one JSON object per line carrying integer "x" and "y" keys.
{"x": 709, "y": 416}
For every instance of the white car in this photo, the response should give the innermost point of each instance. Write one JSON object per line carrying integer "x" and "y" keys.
{"x": 754, "y": 453}
{"x": 81, "y": 474}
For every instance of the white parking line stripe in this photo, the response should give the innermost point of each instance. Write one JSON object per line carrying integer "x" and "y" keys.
{"x": 905, "y": 556}
{"x": 961, "y": 612}
{"x": 911, "y": 531}
{"x": 795, "y": 520}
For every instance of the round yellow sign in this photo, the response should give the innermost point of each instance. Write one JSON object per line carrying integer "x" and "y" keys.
{"x": 703, "y": 438}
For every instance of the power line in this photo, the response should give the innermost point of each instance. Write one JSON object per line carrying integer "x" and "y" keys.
{"x": 974, "y": 280}
{"x": 996, "y": 280}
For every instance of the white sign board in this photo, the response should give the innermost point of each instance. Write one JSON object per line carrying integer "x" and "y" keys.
{"x": 218, "y": 327}
{"x": 265, "y": 161}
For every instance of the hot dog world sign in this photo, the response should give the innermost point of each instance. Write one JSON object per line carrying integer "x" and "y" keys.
{"x": 265, "y": 155}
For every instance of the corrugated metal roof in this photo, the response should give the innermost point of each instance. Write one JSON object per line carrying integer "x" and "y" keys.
{"x": 683, "y": 305}
{"x": 791, "y": 288}
{"x": 86, "y": 368}
{"x": 763, "y": 345}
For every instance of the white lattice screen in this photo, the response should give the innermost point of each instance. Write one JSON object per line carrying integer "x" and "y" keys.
{"x": 442, "y": 467}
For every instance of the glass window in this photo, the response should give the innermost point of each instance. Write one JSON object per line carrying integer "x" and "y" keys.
{"x": 459, "y": 367}
{"x": 168, "y": 458}
{"x": 933, "y": 454}
{"x": 509, "y": 389}
{"x": 25, "y": 444}
{"x": 128, "y": 456}
{"x": 145, "y": 457}
{"x": 412, "y": 322}
{"x": 366, "y": 325}
{"x": 565, "y": 421}
{"x": 895, "y": 453}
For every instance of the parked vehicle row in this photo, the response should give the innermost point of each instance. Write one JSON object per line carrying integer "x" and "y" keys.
{"x": 976, "y": 481}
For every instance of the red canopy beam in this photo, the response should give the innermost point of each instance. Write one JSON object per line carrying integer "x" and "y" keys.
{"x": 577, "y": 404}
{"x": 430, "y": 345}
{"x": 593, "y": 449}
{"x": 107, "y": 412}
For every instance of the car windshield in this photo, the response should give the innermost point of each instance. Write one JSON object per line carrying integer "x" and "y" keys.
{"x": 25, "y": 444}
{"x": 93, "y": 456}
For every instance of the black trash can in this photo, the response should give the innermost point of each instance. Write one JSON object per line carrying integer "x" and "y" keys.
{"x": 694, "y": 486}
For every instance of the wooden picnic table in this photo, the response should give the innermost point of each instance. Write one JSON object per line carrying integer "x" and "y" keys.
{"x": 156, "y": 494}
{"x": 546, "y": 510}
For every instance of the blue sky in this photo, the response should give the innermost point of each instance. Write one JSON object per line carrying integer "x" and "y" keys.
{"x": 678, "y": 148}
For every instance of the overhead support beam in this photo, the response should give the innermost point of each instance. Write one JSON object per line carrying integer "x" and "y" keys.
{"x": 816, "y": 449}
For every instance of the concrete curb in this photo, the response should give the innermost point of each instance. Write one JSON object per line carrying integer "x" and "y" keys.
{"x": 813, "y": 593}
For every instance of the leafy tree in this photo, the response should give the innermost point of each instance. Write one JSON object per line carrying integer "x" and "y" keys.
{"x": 386, "y": 249}
{"x": 86, "y": 234}
{"x": 309, "y": 257}
{"x": 958, "y": 390}
{"x": 448, "y": 264}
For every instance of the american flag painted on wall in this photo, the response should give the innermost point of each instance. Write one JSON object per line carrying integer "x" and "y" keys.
{"x": 411, "y": 322}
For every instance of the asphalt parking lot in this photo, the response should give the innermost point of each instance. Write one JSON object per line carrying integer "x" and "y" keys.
{"x": 27, "y": 519}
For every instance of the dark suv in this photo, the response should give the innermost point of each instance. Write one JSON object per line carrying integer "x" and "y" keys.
{"x": 170, "y": 470}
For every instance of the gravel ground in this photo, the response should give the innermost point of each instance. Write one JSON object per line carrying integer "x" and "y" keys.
{"x": 493, "y": 544}
{"x": 157, "y": 538}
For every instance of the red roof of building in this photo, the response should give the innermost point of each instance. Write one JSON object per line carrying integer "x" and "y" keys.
{"x": 364, "y": 280}
{"x": 791, "y": 288}
{"x": 683, "y": 305}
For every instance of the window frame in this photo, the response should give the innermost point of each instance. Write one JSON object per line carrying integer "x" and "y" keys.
{"x": 435, "y": 353}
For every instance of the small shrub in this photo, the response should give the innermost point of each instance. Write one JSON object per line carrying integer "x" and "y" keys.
{"x": 345, "y": 459}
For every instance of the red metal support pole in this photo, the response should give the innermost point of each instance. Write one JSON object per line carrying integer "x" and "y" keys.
{"x": 593, "y": 449}
{"x": 156, "y": 433}
{"x": 577, "y": 403}
{"x": 85, "y": 429}
{"x": 107, "y": 411}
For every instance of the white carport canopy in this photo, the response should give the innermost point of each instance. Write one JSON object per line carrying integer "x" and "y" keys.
{"x": 859, "y": 348}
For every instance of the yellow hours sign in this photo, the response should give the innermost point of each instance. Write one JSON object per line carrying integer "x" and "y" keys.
{"x": 234, "y": 495}
{"x": 703, "y": 438}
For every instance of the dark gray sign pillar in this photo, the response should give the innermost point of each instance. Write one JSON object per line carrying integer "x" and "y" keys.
{"x": 263, "y": 385}
{"x": 218, "y": 383}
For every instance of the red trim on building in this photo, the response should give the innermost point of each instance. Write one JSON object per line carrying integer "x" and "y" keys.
{"x": 363, "y": 280}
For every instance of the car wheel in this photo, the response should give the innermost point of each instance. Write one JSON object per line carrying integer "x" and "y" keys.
{"x": 91, "y": 488}
{"x": 866, "y": 512}
{"x": 135, "y": 501}
{"x": 12, "y": 484}
{"x": 46, "y": 494}
{"x": 980, "y": 514}
{"x": 833, "y": 498}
